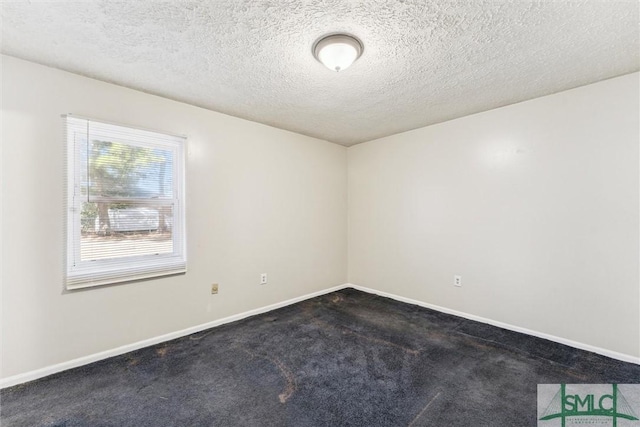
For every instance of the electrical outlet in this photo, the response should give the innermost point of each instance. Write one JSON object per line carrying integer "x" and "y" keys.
{"x": 214, "y": 288}
{"x": 457, "y": 281}
{"x": 263, "y": 279}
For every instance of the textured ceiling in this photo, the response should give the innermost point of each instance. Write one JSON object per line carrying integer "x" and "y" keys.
{"x": 424, "y": 61}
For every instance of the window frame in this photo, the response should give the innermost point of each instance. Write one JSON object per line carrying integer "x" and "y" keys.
{"x": 81, "y": 274}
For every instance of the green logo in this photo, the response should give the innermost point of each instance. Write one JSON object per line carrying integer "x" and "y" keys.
{"x": 588, "y": 400}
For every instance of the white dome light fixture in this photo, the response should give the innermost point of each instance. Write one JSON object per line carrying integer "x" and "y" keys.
{"x": 337, "y": 51}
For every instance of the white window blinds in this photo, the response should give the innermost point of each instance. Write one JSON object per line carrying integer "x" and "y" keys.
{"x": 125, "y": 206}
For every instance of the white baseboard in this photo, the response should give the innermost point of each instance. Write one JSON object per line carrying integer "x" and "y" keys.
{"x": 85, "y": 360}
{"x": 81, "y": 361}
{"x": 612, "y": 354}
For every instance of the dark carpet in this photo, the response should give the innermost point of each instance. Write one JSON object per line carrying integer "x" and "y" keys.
{"x": 343, "y": 359}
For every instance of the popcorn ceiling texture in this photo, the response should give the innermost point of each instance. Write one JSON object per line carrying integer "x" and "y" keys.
{"x": 424, "y": 62}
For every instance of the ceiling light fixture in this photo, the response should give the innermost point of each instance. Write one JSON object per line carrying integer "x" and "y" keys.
{"x": 337, "y": 51}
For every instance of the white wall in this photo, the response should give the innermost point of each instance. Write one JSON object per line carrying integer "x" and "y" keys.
{"x": 259, "y": 200}
{"x": 534, "y": 204}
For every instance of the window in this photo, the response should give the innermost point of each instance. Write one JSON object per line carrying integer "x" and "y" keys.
{"x": 125, "y": 205}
